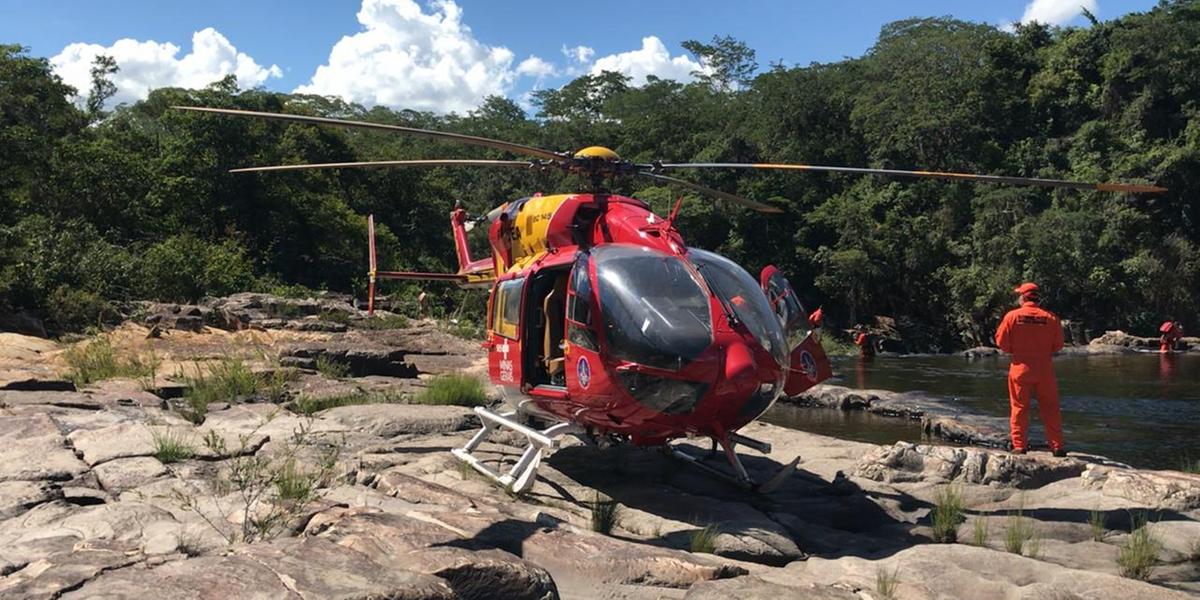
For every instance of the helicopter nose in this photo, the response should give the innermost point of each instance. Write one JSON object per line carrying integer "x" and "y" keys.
{"x": 739, "y": 362}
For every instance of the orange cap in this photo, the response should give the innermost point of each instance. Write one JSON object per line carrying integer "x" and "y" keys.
{"x": 1026, "y": 288}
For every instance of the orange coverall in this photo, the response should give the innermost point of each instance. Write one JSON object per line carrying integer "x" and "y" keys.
{"x": 1031, "y": 335}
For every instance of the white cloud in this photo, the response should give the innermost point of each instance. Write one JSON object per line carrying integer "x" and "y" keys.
{"x": 1057, "y": 12}
{"x": 407, "y": 58}
{"x": 536, "y": 67}
{"x": 148, "y": 65}
{"x": 652, "y": 58}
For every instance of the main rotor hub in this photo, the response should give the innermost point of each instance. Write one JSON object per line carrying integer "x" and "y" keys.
{"x": 597, "y": 152}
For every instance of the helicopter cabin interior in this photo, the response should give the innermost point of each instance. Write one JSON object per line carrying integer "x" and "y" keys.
{"x": 543, "y": 325}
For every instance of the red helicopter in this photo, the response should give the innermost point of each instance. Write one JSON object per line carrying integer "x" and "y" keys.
{"x": 603, "y": 324}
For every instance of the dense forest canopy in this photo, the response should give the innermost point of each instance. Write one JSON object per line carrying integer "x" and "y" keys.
{"x": 136, "y": 203}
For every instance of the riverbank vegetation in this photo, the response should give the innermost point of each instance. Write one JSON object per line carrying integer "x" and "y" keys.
{"x": 102, "y": 206}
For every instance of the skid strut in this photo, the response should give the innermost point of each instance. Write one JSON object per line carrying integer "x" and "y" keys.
{"x": 521, "y": 476}
{"x": 739, "y": 476}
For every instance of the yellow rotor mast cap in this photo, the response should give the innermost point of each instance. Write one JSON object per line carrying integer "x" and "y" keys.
{"x": 597, "y": 152}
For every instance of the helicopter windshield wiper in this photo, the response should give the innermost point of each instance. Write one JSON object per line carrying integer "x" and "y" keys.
{"x": 721, "y": 296}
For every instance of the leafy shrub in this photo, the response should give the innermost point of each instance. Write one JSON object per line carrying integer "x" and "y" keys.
{"x": 454, "y": 389}
{"x": 72, "y": 310}
{"x": 183, "y": 268}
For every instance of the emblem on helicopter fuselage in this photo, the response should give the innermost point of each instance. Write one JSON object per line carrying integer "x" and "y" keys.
{"x": 808, "y": 364}
{"x": 584, "y": 371}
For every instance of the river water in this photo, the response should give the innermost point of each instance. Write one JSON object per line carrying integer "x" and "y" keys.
{"x": 1142, "y": 409}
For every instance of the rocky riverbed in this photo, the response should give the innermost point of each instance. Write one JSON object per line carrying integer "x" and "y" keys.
{"x": 113, "y": 488}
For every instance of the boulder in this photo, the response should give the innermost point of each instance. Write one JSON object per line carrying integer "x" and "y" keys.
{"x": 390, "y": 420}
{"x": 1161, "y": 489}
{"x": 905, "y": 462}
{"x": 1120, "y": 338}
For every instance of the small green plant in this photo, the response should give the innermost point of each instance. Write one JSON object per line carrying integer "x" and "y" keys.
{"x": 886, "y": 582}
{"x": 188, "y": 543}
{"x": 229, "y": 379}
{"x": 836, "y": 347}
{"x": 1098, "y": 521}
{"x": 96, "y": 359}
{"x": 464, "y": 328}
{"x": 705, "y": 540}
{"x": 1189, "y": 465}
{"x": 170, "y": 447}
{"x": 979, "y": 532}
{"x": 1139, "y": 555}
{"x": 947, "y": 514}
{"x": 380, "y": 322}
{"x": 455, "y": 389}
{"x": 606, "y": 513}
{"x": 309, "y": 405}
{"x": 331, "y": 369}
{"x": 266, "y": 491}
{"x": 1020, "y": 537}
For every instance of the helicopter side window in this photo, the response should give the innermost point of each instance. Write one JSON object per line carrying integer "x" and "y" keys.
{"x": 579, "y": 312}
{"x": 506, "y": 305}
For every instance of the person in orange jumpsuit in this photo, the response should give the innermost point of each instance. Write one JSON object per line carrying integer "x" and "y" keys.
{"x": 1172, "y": 331}
{"x": 1032, "y": 334}
{"x": 863, "y": 340}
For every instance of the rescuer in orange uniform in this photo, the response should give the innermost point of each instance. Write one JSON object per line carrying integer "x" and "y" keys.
{"x": 1032, "y": 334}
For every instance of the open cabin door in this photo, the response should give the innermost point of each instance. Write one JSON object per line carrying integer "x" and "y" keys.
{"x": 808, "y": 365}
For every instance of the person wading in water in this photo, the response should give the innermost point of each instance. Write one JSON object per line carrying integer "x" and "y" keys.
{"x": 1032, "y": 334}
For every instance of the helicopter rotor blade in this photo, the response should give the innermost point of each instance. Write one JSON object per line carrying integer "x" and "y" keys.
{"x": 713, "y": 193}
{"x": 425, "y": 133}
{"x": 1135, "y": 188}
{"x": 449, "y": 162}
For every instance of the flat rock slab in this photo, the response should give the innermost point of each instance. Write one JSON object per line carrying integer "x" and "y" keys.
{"x": 307, "y": 568}
{"x": 961, "y": 571}
{"x": 751, "y": 587}
{"x": 125, "y": 440}
{"x": 49, "y": 577}
{"x": 121, "y": 474}
{"x": 31, "y": 449}
{"x": 390, "y": 420}
{"x": 18, "y": 496}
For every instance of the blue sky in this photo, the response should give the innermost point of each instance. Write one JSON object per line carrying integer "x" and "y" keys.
{"x": 444, "y": 55}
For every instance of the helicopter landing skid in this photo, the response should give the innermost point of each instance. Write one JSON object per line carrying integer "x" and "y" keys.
{"x": 522, "y": 474}
{"x": 739, "y": 476}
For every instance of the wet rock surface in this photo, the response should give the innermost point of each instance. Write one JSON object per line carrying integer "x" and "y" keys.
{"x": 93, "y": 503}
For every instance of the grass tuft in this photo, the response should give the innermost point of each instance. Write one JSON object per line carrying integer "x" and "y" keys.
{"x": 1139, "y": 555}
{"x": 1020, "y": 537}
{"x": 1099, "y": 524}
{"x": 979, "y": 532}
{"x": 96, "y": 359}
{"x": 705, "y": 540}
{"x": 229, "y": 379}
{"x": 170, "y": 447}
{"x": 947, "y": 514}
{"x": 606, "y": 514}
{"x": 308, "y": 405}
{"x": 1189, "y": 465}
{"x": 453, "y": 389}
{"x": 292, "y": 484}
{"x": 886, "y": 582}
{"x": 331, "y": 369}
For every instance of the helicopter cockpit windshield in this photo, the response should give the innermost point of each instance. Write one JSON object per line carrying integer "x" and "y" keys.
{"x": 656, "y": 313}
{"x": 738, "y": 291}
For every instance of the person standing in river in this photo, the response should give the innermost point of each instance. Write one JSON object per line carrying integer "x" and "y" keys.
{"x": 1032, "y": 334}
